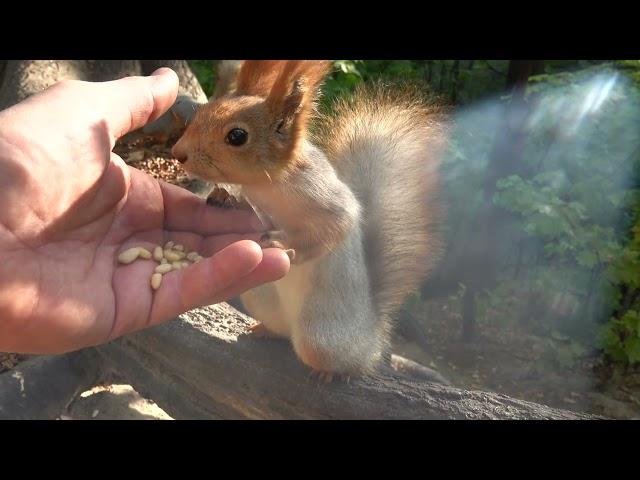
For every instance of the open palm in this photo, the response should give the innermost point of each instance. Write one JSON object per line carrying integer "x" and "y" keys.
{"x": 68, "y": 206}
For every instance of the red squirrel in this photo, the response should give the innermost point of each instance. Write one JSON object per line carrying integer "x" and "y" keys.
{"x": 351, "y": 195}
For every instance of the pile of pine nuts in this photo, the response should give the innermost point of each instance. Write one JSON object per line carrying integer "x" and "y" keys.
{"x": 171, "y": 257}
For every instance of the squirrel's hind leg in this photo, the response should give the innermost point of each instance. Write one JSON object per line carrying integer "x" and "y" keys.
{"x": 329, "y": 360}
{"x": 338, "y": 329}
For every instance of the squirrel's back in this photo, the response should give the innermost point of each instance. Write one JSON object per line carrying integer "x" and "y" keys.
{"x": 386, "y": 144}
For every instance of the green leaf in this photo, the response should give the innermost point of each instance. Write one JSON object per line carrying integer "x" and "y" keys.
{"x": 632, "y": 349}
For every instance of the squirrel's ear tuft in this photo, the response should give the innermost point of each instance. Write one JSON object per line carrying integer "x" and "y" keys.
{"x": 256, "y": 77}
{"x": 292, "y": 98}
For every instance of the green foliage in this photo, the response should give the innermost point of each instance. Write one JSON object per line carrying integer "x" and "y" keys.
{"x": 468, "y": 80}
{"x": 205, "y": 72}
{"x": 347, "y": 74}
{"x": 343, "y": 80}
{"x": 563, "y": 224}
{"x": 620, "y": 338}
{"x": 581, "y": 206}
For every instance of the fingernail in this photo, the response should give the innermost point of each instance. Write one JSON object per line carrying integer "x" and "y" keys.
{"x": 166, "y": 80}
{"x": 161, "y": 71}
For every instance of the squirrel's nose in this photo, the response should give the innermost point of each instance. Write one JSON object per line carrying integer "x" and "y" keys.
{"x": 179, "y": 151}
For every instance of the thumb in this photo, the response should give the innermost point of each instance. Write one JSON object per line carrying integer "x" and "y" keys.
{"x": 133, "y": 102}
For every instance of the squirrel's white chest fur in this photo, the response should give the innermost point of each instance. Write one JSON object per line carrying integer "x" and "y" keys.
{"x": 278, "y": 305}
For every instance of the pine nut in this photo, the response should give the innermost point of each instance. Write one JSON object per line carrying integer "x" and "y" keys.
{"x": 170, "y": 258}
{"x": 164, "y": 268}
{"x": 173, "y": 256}
{"x": 156, "y": 280}
{"x": 129, "y": 256}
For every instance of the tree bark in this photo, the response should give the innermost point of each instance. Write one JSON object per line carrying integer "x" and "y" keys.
{"x": 204, "y": 365}
{"x": 42, "y": 388}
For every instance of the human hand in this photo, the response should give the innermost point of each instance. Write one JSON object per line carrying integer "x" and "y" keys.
{"x": 69, "y": 205}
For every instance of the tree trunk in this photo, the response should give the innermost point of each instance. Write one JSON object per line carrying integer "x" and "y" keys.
{"x": 519, "y": 72}
{"x": 442, "y": 72}
{"x": 480, "y": 265}
{"x": 455, "y": 77}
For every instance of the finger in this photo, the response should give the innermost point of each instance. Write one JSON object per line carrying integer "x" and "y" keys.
{"x": 201, "y": 283}
{"x": 186, "y": 211}
{"x": 215, "y": 243}
{"x": 275, "y": 265}
{"x": 133, "y": 102}
{"x": 208, "y": 246}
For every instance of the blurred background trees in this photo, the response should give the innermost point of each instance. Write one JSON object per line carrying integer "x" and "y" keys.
{"x": 544, "y": 228}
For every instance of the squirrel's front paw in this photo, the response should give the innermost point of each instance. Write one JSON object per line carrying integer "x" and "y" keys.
{"x": 277, "y": 239}
{"x": 219, "y": 197}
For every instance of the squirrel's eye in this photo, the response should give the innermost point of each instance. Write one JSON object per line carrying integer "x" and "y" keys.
{"x": 237, "y": 137}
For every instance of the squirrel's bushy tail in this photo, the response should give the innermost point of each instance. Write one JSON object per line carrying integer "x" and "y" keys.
{"x": 386, "y": 144}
